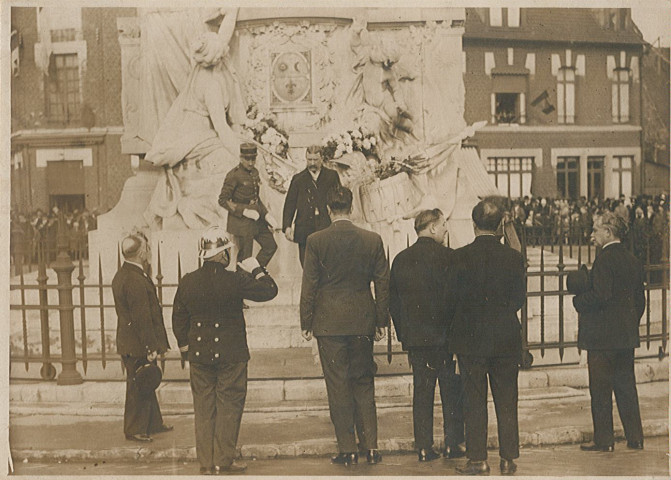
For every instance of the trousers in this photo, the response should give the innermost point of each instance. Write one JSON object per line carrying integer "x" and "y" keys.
{"x": 613, "y": 371}
{"x": 349, "y": 371}
{"x": 428, "y": 365}
{"x": 265, "y": 239}
{"x": 142, "y": 414}
{"x": 502, "y": 373}
{"x": 219, "y": 393}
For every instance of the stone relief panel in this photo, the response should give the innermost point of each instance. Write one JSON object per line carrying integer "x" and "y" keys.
{"x": 443, "y": 86}
{"x": 288, "y": 69}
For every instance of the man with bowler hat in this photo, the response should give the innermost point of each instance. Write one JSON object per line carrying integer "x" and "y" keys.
{"x": 306, "y": 200}
{"x": 140, "y": 337}
{"x": 209, "y": 325}
{"x": 248, "y": 218}
{"x": 611, "y": 306}
{"x": 485, "y": 289}
{"x": 418, "y": 309}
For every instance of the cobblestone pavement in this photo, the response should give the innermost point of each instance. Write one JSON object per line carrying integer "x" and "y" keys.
{"x": 565, "y": 460}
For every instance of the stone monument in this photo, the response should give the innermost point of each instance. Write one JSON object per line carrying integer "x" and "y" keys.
{"x": 380, "y": 88}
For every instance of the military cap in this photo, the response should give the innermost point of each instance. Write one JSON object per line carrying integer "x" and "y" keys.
{"x": 248, "y": 150}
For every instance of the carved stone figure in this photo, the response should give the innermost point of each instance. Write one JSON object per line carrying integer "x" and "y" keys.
{"x": 198, "y": 141}
{"x": 377, "y": 90}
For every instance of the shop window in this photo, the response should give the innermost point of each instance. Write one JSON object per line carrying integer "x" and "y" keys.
{"x": 623, "y": 174}
{"x": 511, "y": 175}
{"x": 568, "y": 178}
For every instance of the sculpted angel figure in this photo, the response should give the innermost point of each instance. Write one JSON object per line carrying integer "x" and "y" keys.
{"x": 198, "y": 141}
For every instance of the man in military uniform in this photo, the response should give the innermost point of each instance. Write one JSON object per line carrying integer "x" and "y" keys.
{"x": 209, "y": 325}
{"x": 248, "y": 218}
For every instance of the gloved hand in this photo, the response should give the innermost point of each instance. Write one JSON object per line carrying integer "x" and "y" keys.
{"x": 249, "y": 264}
{"x": 270, "y": 220}
{"x": 249, "y": 213}
{"x": 185, "y": 356}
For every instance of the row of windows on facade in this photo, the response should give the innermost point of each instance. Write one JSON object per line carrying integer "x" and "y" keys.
{"x": 63, "y": 96}
{"x": 513, "y": 175}
{"x": 511, "y": 17}
{"x": 510, "y": 107}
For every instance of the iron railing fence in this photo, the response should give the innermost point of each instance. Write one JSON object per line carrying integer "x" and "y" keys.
{"x": 87, "y": 320}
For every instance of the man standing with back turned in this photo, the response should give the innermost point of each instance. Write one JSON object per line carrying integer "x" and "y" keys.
{"x": 610, "y": 311}
{"x": 418, "y": 308}
{"x": 140, "y": 336}
{"x": 209, "y": 325}
{"x": 337, "y": 307}
{"x": 485, "y": 289}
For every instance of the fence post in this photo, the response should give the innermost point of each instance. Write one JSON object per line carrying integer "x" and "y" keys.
{"x": 64, "y": 267}
{"x": 48, "y": 371}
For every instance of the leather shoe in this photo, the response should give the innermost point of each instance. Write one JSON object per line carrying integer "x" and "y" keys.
{"x": 593, "y": 447}
{"x": 427, "y": 454}
{"x": 508, "y": 467}
{"x": 139, "y": 437}
{"x": 206, "y": 470}
{"x": 637, "y": 445}
{"x": 373, "y": 457}
{"x": 346, "y": 459}
{"x": 474, "y": 468}
{"x": 165, "y": 428}
{"x": 234, "y": 467}
{"x": 454, "y": 451}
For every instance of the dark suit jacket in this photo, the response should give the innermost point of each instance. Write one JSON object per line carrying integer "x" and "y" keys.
{"x": 485, "y": 289}
{"x": 207, "y": 312}
{"x": 304, "y": 198}
{"x": 416, "y": 294}
{"x": 611, "y": 309}
{"x": 140, "y": 328}
{"x": 340, "y": 263}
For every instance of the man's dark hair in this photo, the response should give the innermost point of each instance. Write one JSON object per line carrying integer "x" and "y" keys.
{"x": 312, "y": 149}
{"x": 487, "y": 215}
{"x": 426, "y": 218}
{"x": 339, "y": 200}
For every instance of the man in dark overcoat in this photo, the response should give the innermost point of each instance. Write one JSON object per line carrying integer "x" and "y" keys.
{"x": 485, "y": 288}
{"x": 209, "y": 325}
{"x": 417, "y": 307}
{"x": 305, "y": 209}
{"x": 610, "y": 311}
{"x": 338, "y": 308}
{"x": 140, "y": 336}
{"x": 248, "y": 217}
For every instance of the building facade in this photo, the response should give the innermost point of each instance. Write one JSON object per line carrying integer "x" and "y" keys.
{"x": 561, "y": 90}
{"x": 656, "y": 88}
{"x": 66, "y": 108}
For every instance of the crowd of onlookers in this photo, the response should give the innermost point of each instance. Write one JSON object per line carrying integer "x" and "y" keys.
{"x": 33, "y": 236}
{"x": 545, "y": 220}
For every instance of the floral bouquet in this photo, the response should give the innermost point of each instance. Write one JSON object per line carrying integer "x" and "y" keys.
{"x": 263, "y": 128}
{"x": 356, "y": 139}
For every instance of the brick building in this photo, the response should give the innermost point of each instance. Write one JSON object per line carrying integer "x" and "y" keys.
{"x": 66, "y": 108}
{"x": 561, "y": 90}
{"x": 656, "y": 88}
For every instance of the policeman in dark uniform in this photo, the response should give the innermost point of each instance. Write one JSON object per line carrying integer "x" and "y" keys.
{"x": 209, "y": 326}
{"x": 248, "y": 218}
